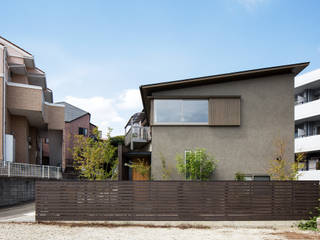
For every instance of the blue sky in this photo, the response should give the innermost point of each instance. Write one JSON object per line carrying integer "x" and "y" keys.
{"x": 97, "y": 53}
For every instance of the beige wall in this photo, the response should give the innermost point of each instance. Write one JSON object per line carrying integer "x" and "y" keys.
{"x": 33, "y": 150}
{"x": 54, "y": 116}
{"x": 24, "y": 98}
{"x": 267, "y": 114}
{"x": 20, "y": 130}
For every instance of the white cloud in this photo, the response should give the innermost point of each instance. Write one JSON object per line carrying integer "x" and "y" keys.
{"x": 110, "y": 112}
{"x": 250, "y": 5}
{"x": 129, "y": 99}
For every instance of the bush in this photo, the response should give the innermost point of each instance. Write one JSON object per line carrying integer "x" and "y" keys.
{"x": 196, "y": 165}
{"x": 239, "y": 176}
{"x": 311, "y": 224}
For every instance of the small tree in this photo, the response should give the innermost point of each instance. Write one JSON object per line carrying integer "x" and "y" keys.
{"x": 279, "y": 168}
{"x": 140, "y": 166}
{"x": 165, "y": 171}
{"x": 94, "y": 158}
{"x": 196, "y": 165}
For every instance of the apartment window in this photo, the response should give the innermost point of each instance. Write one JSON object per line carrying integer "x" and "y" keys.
{"x": 83, "y": 131}
{"x": 180, "y": 111}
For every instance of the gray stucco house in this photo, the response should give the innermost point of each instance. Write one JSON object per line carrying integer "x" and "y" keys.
{"x": 237, "y": 117}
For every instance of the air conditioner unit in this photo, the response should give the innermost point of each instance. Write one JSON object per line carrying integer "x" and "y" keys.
{"x": 10, "y": 148}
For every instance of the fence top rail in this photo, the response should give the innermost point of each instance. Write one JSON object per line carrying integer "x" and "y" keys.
{"x": 178, "y": 181}
{"x": 29, "y": 164}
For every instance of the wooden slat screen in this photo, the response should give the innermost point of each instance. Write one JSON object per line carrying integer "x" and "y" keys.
{"x": 175, "y": 200}
{"x": 224, "y": 111}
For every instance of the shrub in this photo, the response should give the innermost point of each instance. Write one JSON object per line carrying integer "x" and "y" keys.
{"x": 196, "y": 165}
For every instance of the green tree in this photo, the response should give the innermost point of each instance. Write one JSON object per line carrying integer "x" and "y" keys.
{"x": 196, "y": 165}
{"x": 94, "y": 158}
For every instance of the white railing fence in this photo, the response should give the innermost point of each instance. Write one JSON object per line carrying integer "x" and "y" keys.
{"x": 29, "y": 170}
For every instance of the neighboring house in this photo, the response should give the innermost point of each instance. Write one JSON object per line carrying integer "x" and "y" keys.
{"x": 238, "y": 117}
{"x": 27, "y": 112}
{"x": 307, "y": 121}
{"x": 77, "y": 122}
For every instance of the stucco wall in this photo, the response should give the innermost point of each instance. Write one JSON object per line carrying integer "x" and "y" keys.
{"x": 267, "y": 115}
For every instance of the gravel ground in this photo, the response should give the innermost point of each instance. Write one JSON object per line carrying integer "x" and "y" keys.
{"x": 15, "y": 231}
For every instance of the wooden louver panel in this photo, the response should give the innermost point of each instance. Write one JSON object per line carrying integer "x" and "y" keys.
{"x": 224, "y": 111}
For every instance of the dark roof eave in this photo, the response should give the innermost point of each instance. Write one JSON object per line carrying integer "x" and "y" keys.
{"x": 145, "y": 90}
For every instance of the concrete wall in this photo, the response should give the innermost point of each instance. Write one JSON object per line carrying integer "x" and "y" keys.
{"x": 267, "y": 115}
{"x": 16, "y": 190}
{"x": 20, "y": 130}
{"x": 55, "y": 147}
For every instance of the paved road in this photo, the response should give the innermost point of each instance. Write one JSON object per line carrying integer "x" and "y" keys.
{"x": 19, "y": 213}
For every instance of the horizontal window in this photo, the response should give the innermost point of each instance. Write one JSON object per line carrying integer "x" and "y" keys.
{"x": 180, "y": 111}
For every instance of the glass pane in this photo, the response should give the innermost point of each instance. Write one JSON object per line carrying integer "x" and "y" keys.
{"x": 195, "y": 111}
{"x": 167, "y": 111}
{"x": 180, "y": 111}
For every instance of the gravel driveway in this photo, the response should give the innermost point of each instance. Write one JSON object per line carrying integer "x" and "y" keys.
{"x": 14, "y": 231}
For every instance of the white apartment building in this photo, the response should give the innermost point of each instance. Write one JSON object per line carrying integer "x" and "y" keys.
{"x": 307, "y": 123}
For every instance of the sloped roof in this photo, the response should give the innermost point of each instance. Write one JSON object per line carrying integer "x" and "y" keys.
{"x": 72, "y": 112}
{"x": 147, "y": 90}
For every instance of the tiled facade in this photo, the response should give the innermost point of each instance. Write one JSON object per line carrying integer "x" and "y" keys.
{"x": 27, "y": 114}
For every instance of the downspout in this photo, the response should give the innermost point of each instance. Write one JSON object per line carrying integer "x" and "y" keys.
{"x": 4, "y": 106}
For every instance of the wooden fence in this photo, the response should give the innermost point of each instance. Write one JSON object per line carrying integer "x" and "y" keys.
{"x": 175, "y": 200}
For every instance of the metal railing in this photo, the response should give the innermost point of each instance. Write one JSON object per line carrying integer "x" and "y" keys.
{"x": 29, "y": 170}
{"x": 137, "y": 134}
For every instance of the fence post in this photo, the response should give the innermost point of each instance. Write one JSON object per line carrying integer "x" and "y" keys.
{"x": 48, "y": 171}
{"x": 42, "y": 171}
{"x": 8, "y": 169}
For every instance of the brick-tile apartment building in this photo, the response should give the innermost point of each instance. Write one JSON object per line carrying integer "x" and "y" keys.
{"x": 33, "y": 129}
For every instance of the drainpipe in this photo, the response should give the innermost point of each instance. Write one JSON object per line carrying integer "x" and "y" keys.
{"x": 4, "y": 105}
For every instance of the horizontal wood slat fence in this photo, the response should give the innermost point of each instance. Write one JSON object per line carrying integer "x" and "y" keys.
{"x": 175, "y": 200}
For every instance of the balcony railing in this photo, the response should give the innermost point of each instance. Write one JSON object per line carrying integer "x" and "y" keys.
{"x": 309, "y": 175}
{"x": 307, "y": 110}
{"x": 29, "y": 170}
{"x": 307, "y": 143}
{"x": 137, "y": 134}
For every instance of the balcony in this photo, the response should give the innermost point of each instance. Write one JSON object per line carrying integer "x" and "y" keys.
{"x": 137, "y": 137}
{"x": 307, "y": 111}
{"x": 309, "y": 175}
{"x": 10, "y": 169}
{"x": 307, "y": 144}
{"x": 26, "y": 100}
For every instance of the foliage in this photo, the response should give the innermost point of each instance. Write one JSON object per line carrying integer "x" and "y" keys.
{"x": 197, "y": 165}
{"x": 239, "y": 176}
{"x": 94, "y": 158}
{"x": 117, "y": 140}
{"x": 279, "y": 168}
{"x": 310, "y": 224}
{"x": 165, "y": 171}
{"x": 140, "y": 166}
